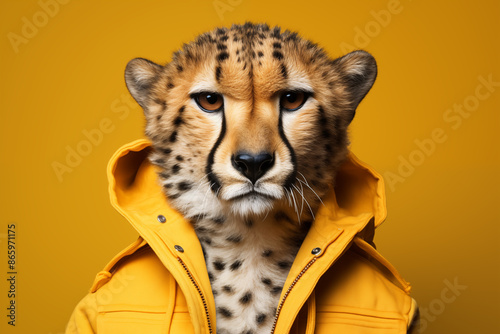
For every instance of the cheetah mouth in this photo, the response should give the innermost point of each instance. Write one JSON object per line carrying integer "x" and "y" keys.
{"x": 253, "y": 194}
{"x": 245, "y": 199}
{"x": 251, "y": 202}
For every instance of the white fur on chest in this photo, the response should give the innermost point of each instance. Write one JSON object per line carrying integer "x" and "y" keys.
{"x": 248, "y": 262}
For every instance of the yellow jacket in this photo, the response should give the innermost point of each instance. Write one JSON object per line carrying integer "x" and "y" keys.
{"x": 338, "y": 282}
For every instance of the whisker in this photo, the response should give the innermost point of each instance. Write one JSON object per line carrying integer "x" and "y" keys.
{"x": 200, "y": 183}
{"x": 218, "y": 191}
{"x": 302, "y": 191}
{"x": 295, "y": 205}
{"x": 307, "y": 185}
{"x": 307, "y": 203}
{"x": 302, "y": 195}
{"x": 267, "y": 214}
{"x": 289, "y": 197}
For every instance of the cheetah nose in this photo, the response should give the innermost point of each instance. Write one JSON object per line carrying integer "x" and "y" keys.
{"x": 252, "y": 166}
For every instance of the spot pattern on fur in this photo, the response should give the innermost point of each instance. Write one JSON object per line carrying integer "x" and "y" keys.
{"x": 236, "y": 264}
{"x": 249, "y": 240}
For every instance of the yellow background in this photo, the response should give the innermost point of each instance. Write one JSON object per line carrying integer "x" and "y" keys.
{"x": 67, "y": 77}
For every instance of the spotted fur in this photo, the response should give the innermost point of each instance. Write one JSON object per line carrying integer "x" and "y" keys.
{"x": 250, "y": 231}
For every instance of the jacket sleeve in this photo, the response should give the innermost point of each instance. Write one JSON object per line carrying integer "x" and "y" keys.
{"x": 83, "y": 319}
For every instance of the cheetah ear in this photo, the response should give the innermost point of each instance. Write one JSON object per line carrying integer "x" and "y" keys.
{"x": 357, "y": 71}
{"x": 140, "y": 75}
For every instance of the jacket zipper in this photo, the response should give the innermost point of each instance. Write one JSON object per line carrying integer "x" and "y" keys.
{"x": 199, "y": 292}
{"x": 280, "y": 306}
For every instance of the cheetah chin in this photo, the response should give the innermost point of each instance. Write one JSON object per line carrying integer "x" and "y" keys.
{"x": 251, "y": 203}
{"x": 248, "y": 199}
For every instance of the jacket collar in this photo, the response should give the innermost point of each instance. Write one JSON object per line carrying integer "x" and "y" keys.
{"x": 355, "y": 206}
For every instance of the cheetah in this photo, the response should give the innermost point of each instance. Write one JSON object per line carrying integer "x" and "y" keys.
{"x": 248, "y": 125}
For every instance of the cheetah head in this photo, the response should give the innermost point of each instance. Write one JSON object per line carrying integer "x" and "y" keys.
{"x": 249, "y": 118}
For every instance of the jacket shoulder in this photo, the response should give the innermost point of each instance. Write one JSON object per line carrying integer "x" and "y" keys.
{"x": 134, "y": 293}
{"x": 135, "y": 276}
{"x": 363, "y": 282}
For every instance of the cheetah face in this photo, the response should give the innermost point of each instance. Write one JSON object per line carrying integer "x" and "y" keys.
{"x": 247, "y": 118}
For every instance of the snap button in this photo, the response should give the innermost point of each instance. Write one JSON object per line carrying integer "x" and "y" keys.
{"x": 179, "y": 248}
{"x": 316, "y": 251}
{"x": 161, "y": 218}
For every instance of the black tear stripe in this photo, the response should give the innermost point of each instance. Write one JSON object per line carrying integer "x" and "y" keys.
{"x": 291, "y": 178}
{"x": 215, "y": 184}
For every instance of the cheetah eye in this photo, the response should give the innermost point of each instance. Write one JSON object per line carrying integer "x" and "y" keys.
{"x": 294, "y": 100}
{"x": 209, "y": 102}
